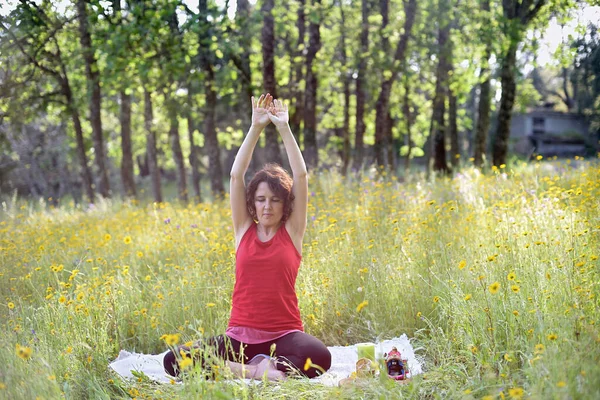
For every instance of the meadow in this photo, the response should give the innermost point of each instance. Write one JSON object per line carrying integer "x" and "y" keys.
{"x": 494, "y": 275}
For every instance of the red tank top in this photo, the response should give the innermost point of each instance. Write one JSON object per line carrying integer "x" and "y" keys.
{"x": 264, "y": 295}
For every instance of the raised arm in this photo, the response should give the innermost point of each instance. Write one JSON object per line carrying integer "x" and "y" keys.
{"x": 296, "y": 223}
{"x": 239, "y": 211}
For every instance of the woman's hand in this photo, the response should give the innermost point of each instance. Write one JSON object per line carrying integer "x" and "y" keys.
{"x": 260, "y": 115}
{"x": 278, "y": 113}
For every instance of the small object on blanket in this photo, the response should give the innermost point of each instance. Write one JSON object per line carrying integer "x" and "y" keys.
{"x": 366, "y": 350}
{"x": 397, "y": 367}
{"x": 365, "y": 368}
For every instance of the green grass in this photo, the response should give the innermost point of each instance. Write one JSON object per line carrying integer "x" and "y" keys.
{"x": 422, "y": 256}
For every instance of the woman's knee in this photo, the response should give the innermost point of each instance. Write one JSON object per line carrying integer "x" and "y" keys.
{"x": 321, "y": 357}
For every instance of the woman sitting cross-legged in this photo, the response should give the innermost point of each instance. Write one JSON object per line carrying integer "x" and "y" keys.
{"x": 265, "y": 335}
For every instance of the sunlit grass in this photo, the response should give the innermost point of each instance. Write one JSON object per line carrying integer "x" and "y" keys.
{"x": 494, "y": 275}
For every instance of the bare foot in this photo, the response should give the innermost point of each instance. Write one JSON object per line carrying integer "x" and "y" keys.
{"x": 267, "y": 368}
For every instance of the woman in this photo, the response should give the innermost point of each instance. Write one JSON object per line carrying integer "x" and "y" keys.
{"x": 265, "y": 334}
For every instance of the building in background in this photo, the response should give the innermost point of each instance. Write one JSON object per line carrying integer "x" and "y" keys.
{"x": 551, "y": 133}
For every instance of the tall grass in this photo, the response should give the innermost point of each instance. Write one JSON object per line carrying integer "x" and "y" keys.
{"x": 495, "y": 276}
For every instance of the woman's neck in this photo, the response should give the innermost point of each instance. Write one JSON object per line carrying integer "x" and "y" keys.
{"x": 267, "y": 231}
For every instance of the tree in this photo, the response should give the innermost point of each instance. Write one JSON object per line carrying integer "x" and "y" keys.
{"x": 298, "y": 111}
{"x": 31, "y": 29}
{"x": 270, "y": 83}
{"x": 95, "y": 96}
{"x": 361, "y": 86}
{"x": 119, "y": 36}
{"x": 517, "y": 15}
{"x": 484, "y": 106}
{"x": 382, "y": 105}
{"x": 174, "y": 64}
{"x": 346, "y": 76}
{"x": 438, "y": 128}
{"x": 210, "y": 94}
{"x": 311, "y": 154}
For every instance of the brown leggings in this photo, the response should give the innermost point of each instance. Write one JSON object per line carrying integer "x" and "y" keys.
{"x": 291, "y": 352}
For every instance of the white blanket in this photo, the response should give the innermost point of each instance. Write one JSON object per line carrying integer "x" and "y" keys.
{"x": 343, "y": 362}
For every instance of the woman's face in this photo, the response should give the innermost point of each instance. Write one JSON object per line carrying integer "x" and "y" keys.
{"x": 269, "y": 206}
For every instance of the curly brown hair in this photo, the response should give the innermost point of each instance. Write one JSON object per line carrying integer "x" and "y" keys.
{"x": 280, "y": 183}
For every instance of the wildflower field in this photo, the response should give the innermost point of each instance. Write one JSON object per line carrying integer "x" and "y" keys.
{"x": 495, "y": 276}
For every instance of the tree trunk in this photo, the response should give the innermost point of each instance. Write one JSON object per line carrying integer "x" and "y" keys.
{"x": 383, "y": 101}
{"x": 86, "y": 174}
{"x": 242, "y": 17}
{"x": 453, "y": 131}
{"x": 382, "y": 105}
{"x": 311, "y": 152}
{"x": 93, "y": 80}
{"x": 269, "y": 81}
{"x": 438, "y": 129}
{"x": 483, "y": 118}
{"x": 389, "y": 142}
{"x": 210, "y": 134}
{"x": 408, "y": 122}
{"x": 193, "y": 149}
{"x": 127, "y": 153}
{"x": 361, "y": 92}
{"x": 176, "y": 147}
{"x": 516, "y": 15}
{"x": 151, "y": 147}
{"x": 507, "y": 101}
{"x": 346, "y": 74}
{"x": 298, "y": 112}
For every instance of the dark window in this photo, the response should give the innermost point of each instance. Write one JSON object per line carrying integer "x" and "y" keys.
{"x": 538, "y": 126}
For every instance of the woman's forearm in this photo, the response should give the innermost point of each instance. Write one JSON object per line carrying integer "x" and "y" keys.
{"x": 293, "y": 151}
{"x": 244, "y": 154}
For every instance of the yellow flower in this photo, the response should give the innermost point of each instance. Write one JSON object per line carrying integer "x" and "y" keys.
{"x": 539, "y": 348}
{"x": 107, "y": 237}
{"x": 468, "y": 297}
{"x": 515, "y": 393}
{"x": 561, "y": 384}
{"x": 515, "y": 313}
{"x": 210, "y": 304}
{"x": 361, "y": 306}
{"x": 2, "y": 386}
{"x": 419, "y": 314}
{"x": 62, "y": 299}
{"x": 185, "y": 363}
{"x": 488, "y": 397}
{"x": 307, "y": 364}
{"x": 511, "y": 276}
{"x": 171, "y": 339}
{"x": 494, "y": 287}
{"x": 508, "y": 357}
{"x": 140, "y": 254}
{"x": 11, "y": 305}
{"x": 552, "y": 336}
{"x": 474, "y": 349}
{"x": 462, "y": 264}
{"x": 23, "y": 352}
{"x": 515, "y": 288}
{"x": 127, "y": 239}
{"x": 436, "y": 299}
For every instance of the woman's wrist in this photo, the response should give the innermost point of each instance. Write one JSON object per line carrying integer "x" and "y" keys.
{"x": 258, "y": 126}
{"x": 283, "y": 127}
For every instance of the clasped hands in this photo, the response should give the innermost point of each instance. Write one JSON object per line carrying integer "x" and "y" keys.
{"x": 266, "y": 109}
